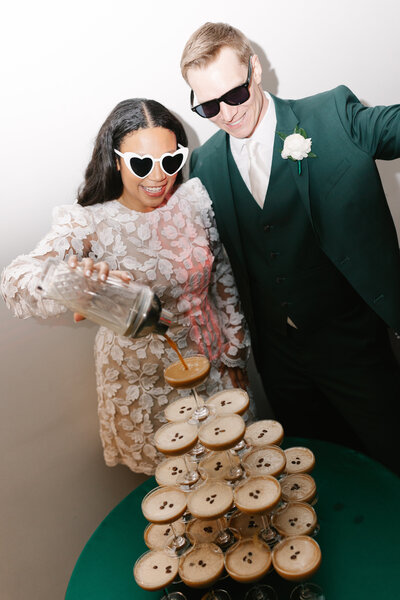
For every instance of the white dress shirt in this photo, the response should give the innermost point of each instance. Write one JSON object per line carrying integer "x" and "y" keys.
{"x": 264, "y": 134}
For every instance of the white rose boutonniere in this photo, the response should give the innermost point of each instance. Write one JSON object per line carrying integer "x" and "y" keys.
{"x": 296, "y": 146}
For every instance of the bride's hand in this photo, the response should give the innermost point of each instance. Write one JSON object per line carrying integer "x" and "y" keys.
{"x": 103, "y": 271}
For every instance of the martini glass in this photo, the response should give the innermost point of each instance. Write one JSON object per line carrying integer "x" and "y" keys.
{"x": 261, "y": 592}
{"x": 213, "y": 500}
{"x": 223, "y": 433}
{"x": 216, "y": 595}
{"x": 297, "y": 558}
{"x": 177, "y": 439}
{"x": 307, "y": 591}
{"x": 260, "y": 495}
{"x": 221, "y": 465}
{"x": 196, "y": 372}
{"x": 155, "y": 570}
{"x": 165, "y": 505}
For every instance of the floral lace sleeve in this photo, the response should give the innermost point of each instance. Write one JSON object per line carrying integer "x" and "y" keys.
{"x": 71, "y": 233}
{"x": 223, "y": 290}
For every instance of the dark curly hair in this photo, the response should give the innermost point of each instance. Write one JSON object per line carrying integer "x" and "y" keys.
{"x": 102, "y": 178}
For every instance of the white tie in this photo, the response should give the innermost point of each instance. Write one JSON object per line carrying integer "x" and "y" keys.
{"x": 258, "y": 173}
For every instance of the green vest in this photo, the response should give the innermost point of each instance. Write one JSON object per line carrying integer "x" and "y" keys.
{"x": 289, "y": 274}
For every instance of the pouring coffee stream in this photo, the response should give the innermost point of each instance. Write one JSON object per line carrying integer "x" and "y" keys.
{"x": 175, "y": 347}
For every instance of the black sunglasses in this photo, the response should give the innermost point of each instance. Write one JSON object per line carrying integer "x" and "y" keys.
{"x": 237, "y": 95}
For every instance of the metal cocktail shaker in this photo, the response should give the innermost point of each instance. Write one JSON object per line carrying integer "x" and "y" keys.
{"x": 129, "y": 309}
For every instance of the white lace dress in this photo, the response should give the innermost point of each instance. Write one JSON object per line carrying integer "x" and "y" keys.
{"x": 176, "y": 250}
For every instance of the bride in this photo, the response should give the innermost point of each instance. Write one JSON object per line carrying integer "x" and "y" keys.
{"x": 135, "y": 218}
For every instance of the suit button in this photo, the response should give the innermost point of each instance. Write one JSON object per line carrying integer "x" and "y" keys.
{"x": 274, "y": 254}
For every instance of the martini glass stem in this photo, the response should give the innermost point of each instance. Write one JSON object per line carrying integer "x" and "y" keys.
{"x": 267, "y": 533}
{"x": 202, "y": 411}
{"x": 192, "y": 474}
{"x": 235, "y": 471}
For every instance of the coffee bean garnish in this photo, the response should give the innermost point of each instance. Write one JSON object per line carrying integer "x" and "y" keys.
{"x": 208, "y": 529}
{"x": 166, "y": 532}
{"x": 202, "y": 564}
{"x": 218, "y": 430}
{"x": 255, "y": 494}
{"x": 252, "y": 524}
{"x": 295, "y": 486}
{"x": 155, "y": 567}
{"x": 297, "y": 461}
{"x": 177, "y": 437}
{"x": 246, "y": 557}
{"x": 262, "y": 433}
{"x": 164, "y": 504}
{"x": 218, "y": 466}
{"x": 183, "y": 408}
{"x": 171, "y": 505}
{"x": 168, "y": 569}
{"x": 224, "y": 402}
{"x": 191, "y": 564}
{"x": 175, "y": 471}
{"x": 294, "y": 556}
{"x": 211, "y": 498}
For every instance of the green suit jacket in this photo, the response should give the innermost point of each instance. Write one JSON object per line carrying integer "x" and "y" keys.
{"x": 340, "y": 188}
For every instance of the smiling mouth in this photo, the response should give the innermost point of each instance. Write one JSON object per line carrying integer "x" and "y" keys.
{"x": 236, "y": 123}
{"x": 154, "y": 190}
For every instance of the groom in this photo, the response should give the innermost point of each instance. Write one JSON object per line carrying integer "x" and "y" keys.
{"x": 302, "y": 214}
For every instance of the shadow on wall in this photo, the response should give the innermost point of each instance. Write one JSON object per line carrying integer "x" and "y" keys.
{"x": 270, "y": 80}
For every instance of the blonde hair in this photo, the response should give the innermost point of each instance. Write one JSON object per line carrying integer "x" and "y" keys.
{"x": 205, "y": 43}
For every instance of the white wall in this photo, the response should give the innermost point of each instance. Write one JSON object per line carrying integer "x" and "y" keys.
{"x": 63, "y": 68}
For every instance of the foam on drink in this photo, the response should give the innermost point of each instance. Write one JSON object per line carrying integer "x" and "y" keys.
{"x": 257, "y": 494}
{"x": 264, "y": 432}
{"x": 202, "y": 566}
{"x": 269, "y": 460}
{"x": 211, "y": 500}
{"x": 299, "y": 460}
{"x": 297, "y": 518}
{"x": 170, "y": 470}
{"x": 157, "y": 537}
{"x": 246, "y": 524}
{"x": 164, "y": 505}
{"x": 229, "y": 401}
{"x": 175, "y": 439}
{"x": 222, "y": 432}
{"x": 217, "y": 465}
{"x": 198, "y": 368}
{"x": 204, "y": 531}
{"x": 296, "y": 558}
{"x": 248, "y": 560}
{"x": 155, "y": 569}
{"x": 299, "y": 487}
{"x": 180, "y": 410}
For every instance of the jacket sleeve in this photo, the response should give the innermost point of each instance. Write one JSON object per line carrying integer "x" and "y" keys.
{"x": 376, "y": 130}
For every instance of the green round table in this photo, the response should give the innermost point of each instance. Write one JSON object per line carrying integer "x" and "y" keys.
{"x": 359, "y": 536}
